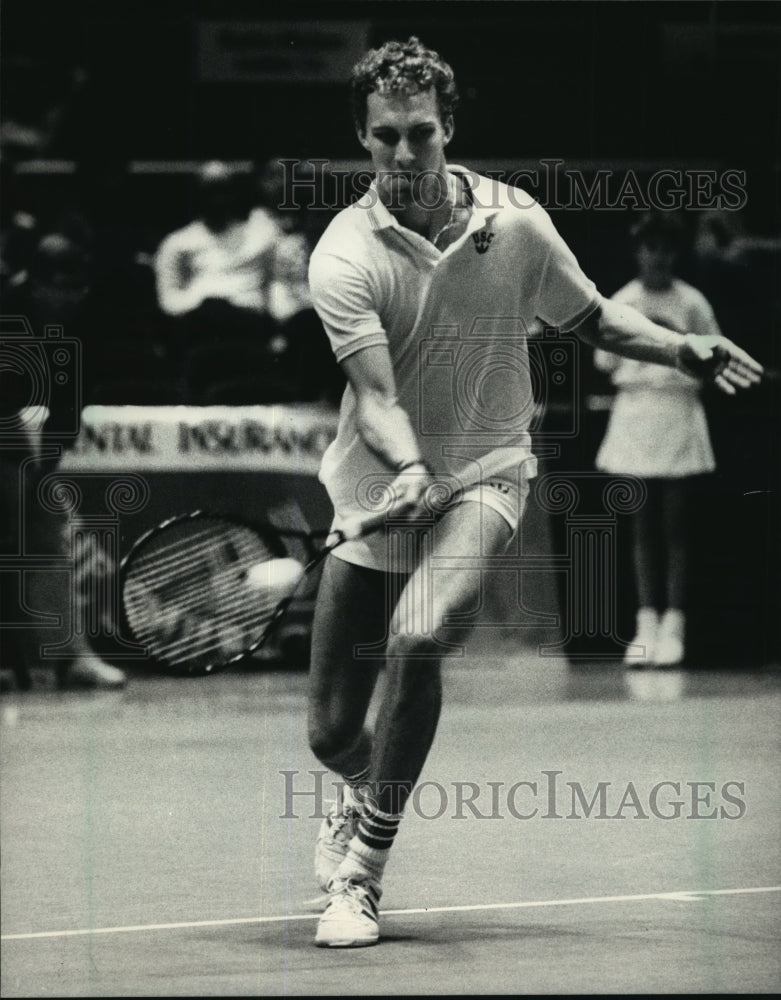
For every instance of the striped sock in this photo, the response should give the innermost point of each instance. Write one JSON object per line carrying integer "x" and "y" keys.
{"x": 355, "y": 790}
{"x": 376, "y": 829}
{"x": 370, "y": 847}
{"x": 359, "y": 778}
{"x": 355, "y": 782}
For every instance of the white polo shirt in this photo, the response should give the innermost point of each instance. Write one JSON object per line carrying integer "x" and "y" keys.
{"x": 455, "y": 324}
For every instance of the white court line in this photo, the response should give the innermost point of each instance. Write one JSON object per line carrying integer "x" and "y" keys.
{"x": 682, "y": 895}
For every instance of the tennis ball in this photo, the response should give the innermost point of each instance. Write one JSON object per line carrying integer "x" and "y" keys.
{"x": 277, "y": 575}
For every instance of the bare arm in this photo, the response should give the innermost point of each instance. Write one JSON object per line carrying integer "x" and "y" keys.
{"x": 623, "y": 330}
{"x": 383, "y": 425}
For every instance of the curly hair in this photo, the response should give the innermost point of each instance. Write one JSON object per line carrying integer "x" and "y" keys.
{"x": 405, "y": 68}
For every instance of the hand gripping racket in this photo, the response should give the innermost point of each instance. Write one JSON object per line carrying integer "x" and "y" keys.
{"x": 202, "y": 591}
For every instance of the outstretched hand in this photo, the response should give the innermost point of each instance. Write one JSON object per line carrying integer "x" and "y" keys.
{"x": 716, "y": 359}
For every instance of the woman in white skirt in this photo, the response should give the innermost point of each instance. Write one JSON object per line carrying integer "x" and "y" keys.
{"x": 658, "y": 431}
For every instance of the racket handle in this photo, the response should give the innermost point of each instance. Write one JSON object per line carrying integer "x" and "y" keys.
{"x": 358, "y": 527}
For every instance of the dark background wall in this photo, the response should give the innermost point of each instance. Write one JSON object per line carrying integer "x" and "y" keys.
{"x": 538, "y": 79}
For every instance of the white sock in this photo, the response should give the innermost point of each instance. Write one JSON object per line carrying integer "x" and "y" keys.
{"x": 674, "y": 622}
{"x": 370, "y": 847}
{"x": 362, "y": 861}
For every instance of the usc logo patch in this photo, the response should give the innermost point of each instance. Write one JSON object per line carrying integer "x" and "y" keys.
{"x": 482, "y": 240}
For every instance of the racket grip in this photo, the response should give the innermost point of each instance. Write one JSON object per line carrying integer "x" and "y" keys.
{"x": 358, "y": 527}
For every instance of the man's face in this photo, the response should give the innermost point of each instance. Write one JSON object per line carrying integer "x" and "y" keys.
{"x": 406, "y": 139}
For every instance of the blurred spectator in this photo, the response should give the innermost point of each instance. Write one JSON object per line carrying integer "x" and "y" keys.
{"x": 309, "y": 361}
{"x": 54, "y": 292}
{"x": 18, "y": 230}
{"x": 53, "y": 289}
{"x": 38, "y": 101}
{"x": 658, "y": 430}
{"x": 234, "y": 283}
{"x": 223, "y": 255}
{"x": 288, "y": 290}
{"x": 59, "y": 287}
{"x": 212, "y": 276}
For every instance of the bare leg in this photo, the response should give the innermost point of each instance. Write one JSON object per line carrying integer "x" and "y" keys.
{"x": 351, "y": 610}
{"x": 410, "y": 709}
{"x": 645, "y": 550}
{"x": 675, "y": 542}
{"x": 408, "y": 715}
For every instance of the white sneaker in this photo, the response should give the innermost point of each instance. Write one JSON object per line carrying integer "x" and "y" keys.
{"x": 669, "y": 646}
{"x": 88, "y": 672}
{"x": 351, "y": 919}
{"x": 336, "y": 831}
{"x": 646, "y": 634}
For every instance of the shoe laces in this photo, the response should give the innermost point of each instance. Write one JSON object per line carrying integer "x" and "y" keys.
{"x": 350, "y": 894}
{"x": 338, "y": 819}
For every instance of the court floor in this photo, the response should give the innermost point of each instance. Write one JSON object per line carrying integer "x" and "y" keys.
{"x": 577, "y": 829}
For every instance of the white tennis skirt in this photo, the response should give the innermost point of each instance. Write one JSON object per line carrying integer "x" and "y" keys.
{"x": 656, "y": 433}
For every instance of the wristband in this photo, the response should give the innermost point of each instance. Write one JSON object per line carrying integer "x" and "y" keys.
{"x": 410, "y": 465}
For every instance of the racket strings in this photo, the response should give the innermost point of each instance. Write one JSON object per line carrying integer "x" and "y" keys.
{"x": 194, "y": 548}
{"x": 160, "y": 553}
{"x": 211, "y": 636}
{"x": 165, "y": 563}
{"x": 216, "y": 599}
{"x": 191, "y": 634}
{"x": 195, "y": 583}
{"x": 188, "y": 598}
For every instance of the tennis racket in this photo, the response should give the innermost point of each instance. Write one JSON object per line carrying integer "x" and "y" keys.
{"x": 202, "y": 591}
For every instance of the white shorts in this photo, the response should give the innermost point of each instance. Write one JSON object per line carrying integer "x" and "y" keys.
{"x": 506, "y": 494}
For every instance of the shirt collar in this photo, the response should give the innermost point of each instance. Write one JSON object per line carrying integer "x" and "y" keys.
{"x": 484, "y": 204}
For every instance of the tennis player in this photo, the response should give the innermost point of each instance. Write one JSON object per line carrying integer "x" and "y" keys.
{"x": 426, "y": 288}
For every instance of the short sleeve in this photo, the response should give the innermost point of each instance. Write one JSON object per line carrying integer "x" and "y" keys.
{"x": 566, "y": 296}
{"x": 343, "y": 297}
